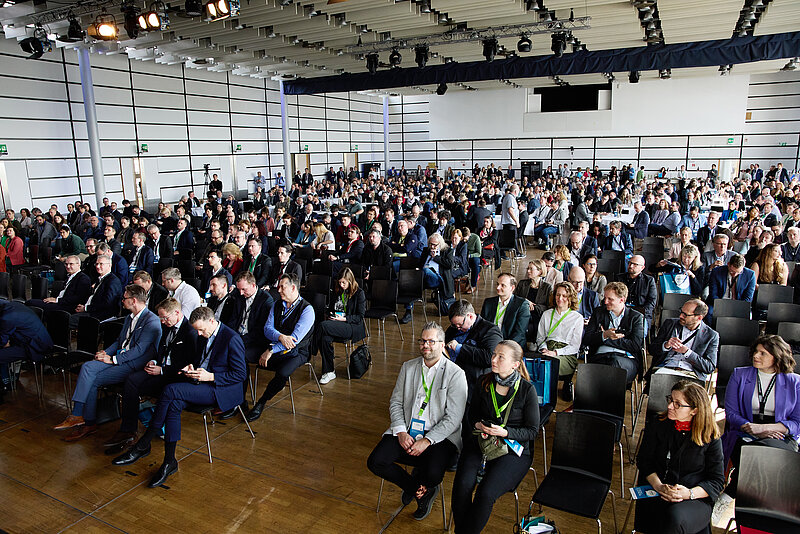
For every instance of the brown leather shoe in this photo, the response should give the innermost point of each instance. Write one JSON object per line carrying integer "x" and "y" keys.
{"x": 80, "y": 433}
{"x": 120, "y": 438}
{"x": 70, "y": 422}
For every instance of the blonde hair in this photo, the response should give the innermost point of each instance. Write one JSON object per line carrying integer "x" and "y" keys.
{"x": 691, "y": 249}
{"x": 230, "y": 248}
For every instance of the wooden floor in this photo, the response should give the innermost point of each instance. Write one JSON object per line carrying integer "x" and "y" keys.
{"x": 304, "y": 473}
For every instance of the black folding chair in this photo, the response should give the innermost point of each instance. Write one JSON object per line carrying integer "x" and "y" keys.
{"x": 580, "y": 472}
{"x": 790, "y": 332}
{"x": 19, "y": 287}
{"x": 731, "y": 308}
{"x": 736, "y": 331}
{"x": 410, "y": 291}
{"x": 320, "y": 284}
{"x": 618, "y": 255}
{"x": 730, "y": 357}
{"x": 39, "y": 287}
{"x": 675, "y": 301}
{"x": 383, "y": 304}
{"x": 609, "y": 266}
{"x": 669, "y": 314}
{"x": 4, "y": 283}
{"x": 57, "y": 324}
{"x": 768, "y": 293}
{"x": 780, "y": 312}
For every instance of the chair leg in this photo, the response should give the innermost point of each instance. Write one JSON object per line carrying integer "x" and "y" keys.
{"x": 380, "y": 494}
{"x": 544, "y": 450}
{"x": 249, "y": 429}
{"x": 314, "y": 374}
{"x": 291, "y": 393}
{"x": 66, "y": 392}
{"x": 208, "y": 441}
{"x": 621, "y": 470}
{"x": 614, "y": 509}
{"x": 444, "y": 507}
{"x": 728, "y": 527}
{"x": 252, "y": 388}
{"x": 516, "y": 507}
{"x": 396, "y": 318}
{"x": 383, "y": 324}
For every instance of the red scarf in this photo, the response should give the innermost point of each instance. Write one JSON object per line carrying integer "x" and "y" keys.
{"x": 683, "y": 426}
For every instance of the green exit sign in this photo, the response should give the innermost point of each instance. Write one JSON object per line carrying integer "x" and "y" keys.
{"x": 144, "y": 147}
{"x": 730, "y": 140}
{"x": 305, "y": 148}
{"x": 238, "y": 148}
{"x": 3, "y": 150}
{"x": 354, "y": 148}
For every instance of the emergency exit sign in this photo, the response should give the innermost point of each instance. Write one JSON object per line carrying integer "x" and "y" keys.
{"x": 730, "y": 140}
{"x": 3, "y": 150}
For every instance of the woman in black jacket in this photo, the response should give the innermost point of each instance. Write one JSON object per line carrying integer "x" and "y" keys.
{"x": 460, "y": 256}
{"x": 507, "y": 387}
{"x": 345, "y": 320}
{"x": 681, "y": 458}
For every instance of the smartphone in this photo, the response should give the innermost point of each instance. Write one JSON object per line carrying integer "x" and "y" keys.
{"x": 486, "y": 423}
{"x": 621, "y": 331}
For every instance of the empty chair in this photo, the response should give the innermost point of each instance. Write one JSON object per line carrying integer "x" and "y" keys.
{"x": 39, "y": 287}
{"x": 506, "y": 242}
{"x": 779, "y": 312}
{"x": 653, "y": 240}
{"x": 731, "y": 308}
{"x": 410, "y": 290}
{"x": 609, "y": 266}
{"x": 669, "y": 314}
{"x": 773, "y": 293}
{"x": 736, "y": 331}
{"x": 317, "y": 283}
{"x": 653, "y": 248}
{"x": 675, "y": 301}
{"x": 4, "y": 283}
{"x": 790, "y": 332}
{"x": 618, "y": 255}
{"x": 651, "y": 258}
{"x": 380, "y": 272}
{"x": 59, "y": 271}
{"x": 730, "y": 357}
{"x": 19, "y": 287}
{"x": 383, "y": 304}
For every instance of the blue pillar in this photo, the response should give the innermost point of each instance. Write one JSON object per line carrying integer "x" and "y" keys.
{"x": 90, "y": 111}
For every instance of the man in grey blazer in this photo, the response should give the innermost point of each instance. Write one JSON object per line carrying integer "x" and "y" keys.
{"x": 426, "y": 409}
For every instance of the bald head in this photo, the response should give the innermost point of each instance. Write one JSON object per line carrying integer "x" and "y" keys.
{"x": 635, "y": 265}
{"x": 577, "y": 274}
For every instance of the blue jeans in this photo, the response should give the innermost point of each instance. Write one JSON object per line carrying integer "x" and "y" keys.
{"x": 474, "y": 271}
{"x": 430, "y": 280}
{"x": 545, "y": 232}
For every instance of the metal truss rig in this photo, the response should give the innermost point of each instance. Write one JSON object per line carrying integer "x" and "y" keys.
{"x": 463, "y": 36}
{"x": 87, "y": 7}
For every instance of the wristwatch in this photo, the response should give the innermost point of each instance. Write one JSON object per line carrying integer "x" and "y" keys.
{"x": 691, "y": 494}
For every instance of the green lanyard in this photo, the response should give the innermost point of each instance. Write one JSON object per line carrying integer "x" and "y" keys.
{"x": 343, "y": 299}
{"x": 499, "y": 411}
{"x": 552, "y": 328}
{"x": 498, "y": 315}
{"x": 428, "y": 391}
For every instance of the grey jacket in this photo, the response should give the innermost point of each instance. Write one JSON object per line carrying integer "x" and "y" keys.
{"x": 448, "y": 400}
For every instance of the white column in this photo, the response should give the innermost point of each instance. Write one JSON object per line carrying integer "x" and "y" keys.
{"x": 90, "y": 111}
{"x": 287, "y": 152}
{"x": 385, "y": 135}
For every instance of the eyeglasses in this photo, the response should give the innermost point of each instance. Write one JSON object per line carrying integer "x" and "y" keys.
{"x": 684, "y": 314}
{"x": 675, "y": 403}
{"x": 428, "y": 342}
{"x": 463, "y": 322}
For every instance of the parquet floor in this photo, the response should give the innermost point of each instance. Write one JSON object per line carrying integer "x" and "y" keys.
{"x": 303, "y": 473}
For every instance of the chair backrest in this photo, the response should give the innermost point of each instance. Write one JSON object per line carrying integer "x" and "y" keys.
{"x": 59, "y": 271}
{"x": 584, "y": 442}
{"x": 304, "y": 253}
{"x": 88, "y": 334}
{"x": 111, "y": 331}
{"x": 600, "y": 388}
{"x": 609, "y": 266}
{"x": 304, "y": 269}
{"x": 506, "y": 239}
{"x": 38, "y": 287}
{"x": 780, "y": 312}
{"x": 653, "y": 248}
{"x": 653, "y": 239}
{"x": 652, "y": 258}
{"x": 19, "y": 285}
{"x": 4, "y": 280}
{"x": 357, "y": 268}
{"x": 773, "y": 293}
{"x": 736, "y": 331}
{"x": 669, "y": 314}
{"x": 380, "y": 272}
{"x": 409, "y": 283}
{"x": 731, "y": 308}
{"x": 317, "y": 283}
{"x": 38, "y": 311}
{"x": 769, "y": 486}
{"x": 661, "y": 386}
{"x": 187, "y": 269}
{"x": 45, "y": 255}
{"x": 790, "y": 332}
{"x": 674, "y": 301}
{"x": 384, "y": 294}
{"x": 618, "y": 255}
{"x": 57, "y": 324}
{"x": 730, "y": 357}
{"x": 408, "y": 263}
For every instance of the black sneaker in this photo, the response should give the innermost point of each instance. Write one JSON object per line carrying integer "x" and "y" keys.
{"x": 406, "y": 317}
{"x": 407, "y": 497}
{"x": 425, "y": 504}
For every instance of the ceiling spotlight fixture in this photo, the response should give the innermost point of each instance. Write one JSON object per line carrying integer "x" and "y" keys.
{"x": 395, "y": 58}
{"x": 286, "y": 2}
{"x": 724, "y": 70}
{"x": 193, "y": 8}
{"x": 442, "y": 89}
{"x": 559, "y": 43}
{"x": 104, "y": 27}
{"x": 547, "y": 16}
{"x": 75, "y": 32}
{"x": 425, "y": 7}
{"x": 489, "y": 49}
{"x": 130, "y": 20}
{"x": 271, "y": 33}
{"x": 524, "y": 44}
{"x": 633, "y": 76}
{"x": 221, "y": 9}
{"x": 571, "y": 15}
{"x": 421, "y": 54}
{"x": 372, "y": 63}
{"x": 444, "y": 19}
{"x": 311, "y": 12}
{"x": 665, "y": 74}
{"x": 37, "y": 45}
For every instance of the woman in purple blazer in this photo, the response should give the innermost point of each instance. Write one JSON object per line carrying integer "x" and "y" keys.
{"x": 762, "y": 403}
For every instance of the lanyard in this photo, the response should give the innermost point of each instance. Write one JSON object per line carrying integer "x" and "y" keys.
{"x": 344, "y": 300}
{"x": 552, "y": 327}
{"x": 762, "y": 397}
{"x": 428, "y": 391}
{"x": 500, "y": 410}
{"x": 500, "y": 313}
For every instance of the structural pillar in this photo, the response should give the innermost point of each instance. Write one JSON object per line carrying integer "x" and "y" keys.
{"x": 287, "y": 153}
{"x": 386, "y": 135}
{"x": 87, "y": 87}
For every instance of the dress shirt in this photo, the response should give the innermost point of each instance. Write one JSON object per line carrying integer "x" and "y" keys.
{"x": 207, "y": 350}
{"x": 569, "y": 331}
{"x": 428, "y": 415}
{"x": 135, "y": 259}
{"x": 188, "y": 298}
{"x": 66, "y": 285}
{"x": 303, "y": 326}
{"x": 99, "y": 281}
{"x": 500, "y": 314}
{"x": 431, "y": 264}
{"x": 675, "y": 359}
{"x": 127, "y": 343}
{"x": 248, "y": 303}
{"x": 613, "y": 323}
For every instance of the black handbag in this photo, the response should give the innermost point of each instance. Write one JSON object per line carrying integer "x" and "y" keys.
{"x": 360, "y": 360}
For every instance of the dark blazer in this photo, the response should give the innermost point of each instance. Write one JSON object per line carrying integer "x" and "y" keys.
{"x": 445, "y": 261}
{"x": 412, "y": 246}
{"x": 376, "y": 257}
{"x": 182, "y": 351}
{"x": 633, "y": 324}
{"x": 20, "y": 327}
{"x": 641, "y": 293}
{"x": 475, "y": 356}
{"x": 228, "y": 365}
{"x": 291, "y": 267}
{"x": 119, "y": 267}
{"x": 590, "y": 301}
{"x": 115, "y": 246}
{"x": 739, "y": 404}
{"x": 478, "y": 215}
{"x": 354, "y": 312}
{"x": 641, "y": 221}
{"x": 261, "y": 269}
{"x": 143, "y": 345}
{"x": 702, "y": 356}
{"x": 259, "y": 311}
{"x": 165, "y": 249}
{"x": 718, "y": 285}
{"x": 523, "y": 421}
{"x": 589, "y": 247}
{"x": 145, "y": 260}
{"x": 542, "y": 301}
{"x": 788, "y": 255}
{"x": 704, "y": 234}
{"x": 207, "y": 275}
{"x": 157, "y": 294}
{"x": 107, "y": 297}
{"x": 186, "y": 240}
{"x": 515, "y": 320}
{"x": 623, "y": 238}
{"x": 77, "y": 292}
{"x": 228, "y": 315}
{"x": 353, "y": 255}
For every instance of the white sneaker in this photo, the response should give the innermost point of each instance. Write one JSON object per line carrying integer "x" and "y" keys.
{"x": 721, "y": 508}
{"x": 327, "y": 377}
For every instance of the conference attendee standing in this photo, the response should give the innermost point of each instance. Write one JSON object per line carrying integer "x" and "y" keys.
{"x": 214, "y": 379}
{"x": 506, "y": 399}
{"x": 681, "y": 458}
{"x": 509, "y": 312}
{"x": 137, "y": 344}
{"x": 426, "y": 408}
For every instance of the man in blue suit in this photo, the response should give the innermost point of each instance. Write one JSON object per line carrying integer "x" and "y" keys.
{"x": 183, "y": 239}
{"x": 617, "y": 239}
{"x": 215, "y": 379}
{"x": 732, "y": 281}
{"x": 589, "y": 300}
{"x": 137, "y": 344}
{"x": 119, "y": 267}
{"x": 22, "y": 335}
{"x": 142, "y": 258}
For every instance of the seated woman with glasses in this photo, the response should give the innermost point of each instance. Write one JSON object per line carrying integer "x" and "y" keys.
{"x": 504, "y": 406}
{"x": 594, "y": 280}
{"x": 762, "y": 406}
{"x": 681, "y": 458}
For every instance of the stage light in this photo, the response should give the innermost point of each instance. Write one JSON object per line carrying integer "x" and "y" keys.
{"x": 221, "y": 9}
{"x": 665, "y": 74}
{"x": 154, "y": 19}
{"x": 130, "y": 20}
{"x": 395, "y": 58}
{"x": 425, "y": 6}
{"x": 372, "y": 63}
{"x": 37, "y": 45}
{"x": 75, "y": 32}
{"x": 633, "y": 76}
{"x": 558, "y": 44}
{"x": 524, "y": 44}
{"x": 442, "y": 89}
{"x": 421, "y": 54}
{"x": 489, "y": 49}
{"x": 104, "y": 28}
{"x": 193, "y": 8}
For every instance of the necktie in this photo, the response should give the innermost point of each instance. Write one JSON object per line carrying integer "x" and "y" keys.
{"x": 252, "y": 265}
{"x": 733, "y": 287}
{"x": 127, "y": 341}
{"x": 243, "y": 327}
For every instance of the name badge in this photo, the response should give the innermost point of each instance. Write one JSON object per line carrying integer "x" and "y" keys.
{"x": 514, "y": 445}
{"x": 417, "y": 429}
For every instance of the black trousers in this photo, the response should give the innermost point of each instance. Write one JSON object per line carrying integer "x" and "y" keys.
{"x": 326, "y": 333}
{"x": 513, "y": 228}
{"x": 386, "y": 457}
{"x": 657, "y": 516}
{"x": 138, "y": 384}
{"x": 503, "y": 474}
{"x": 283, "y": 365}
{"x": 622, "y": 362}
{"x": 736, "y": 456}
